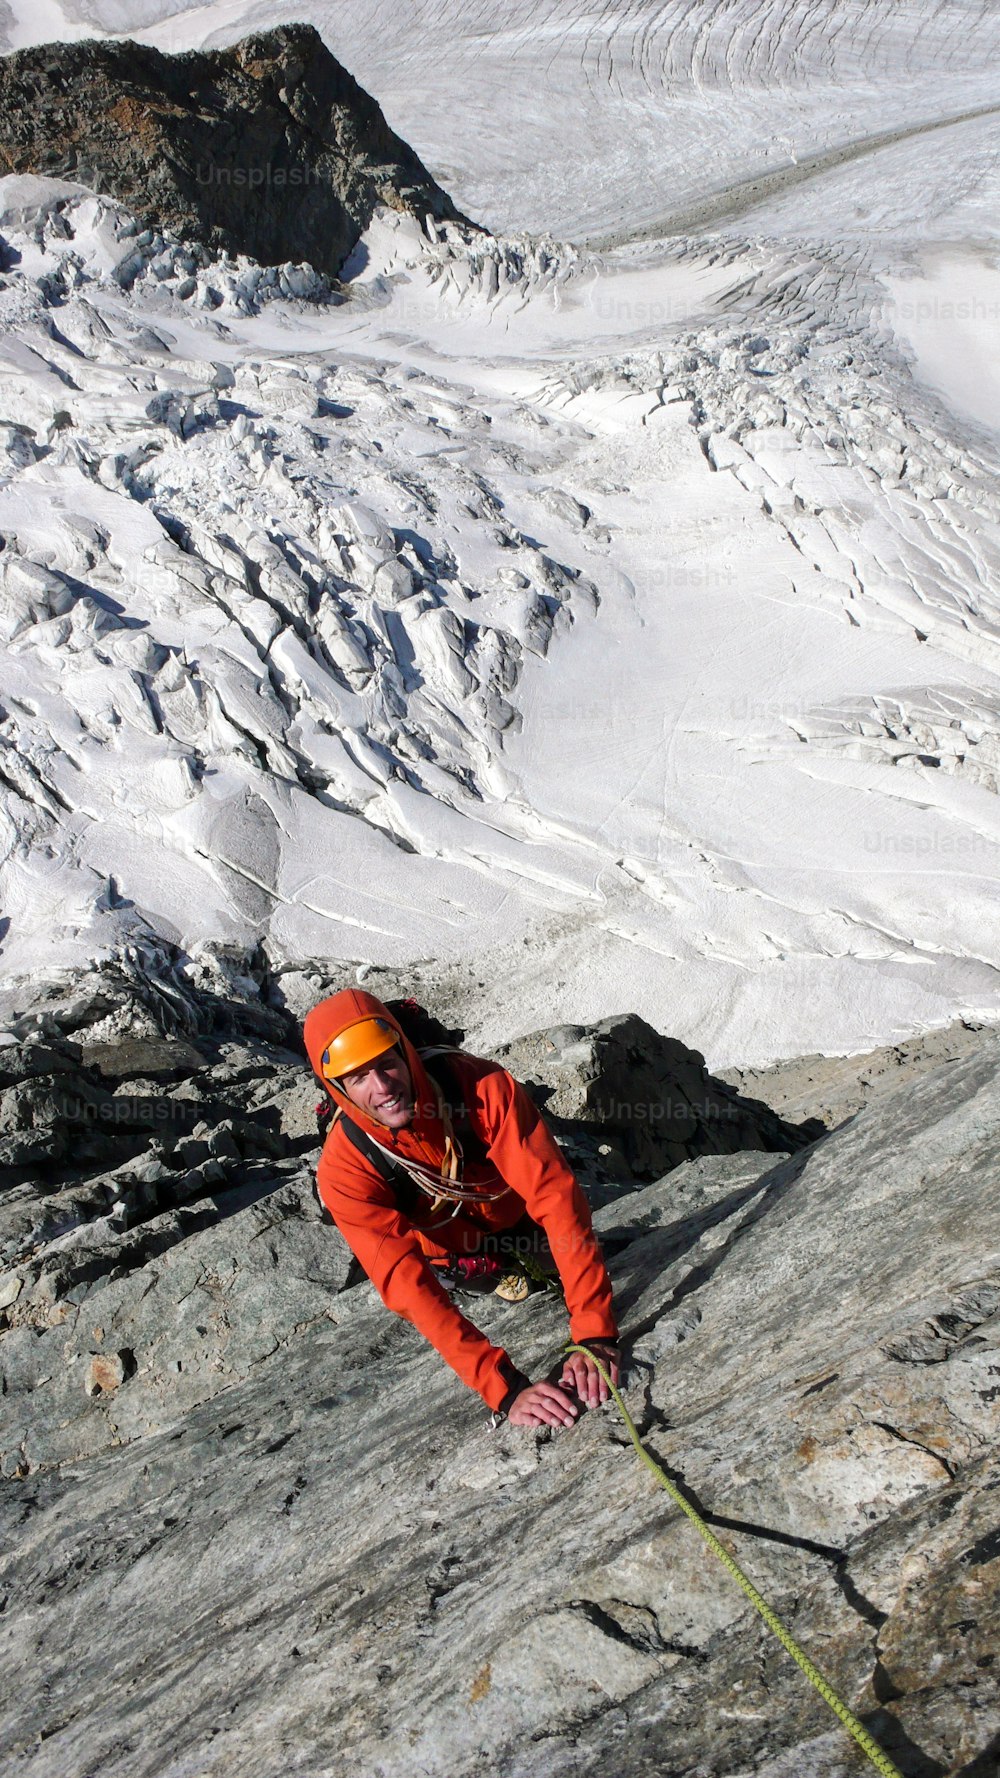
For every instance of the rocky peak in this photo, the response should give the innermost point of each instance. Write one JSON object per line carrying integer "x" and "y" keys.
{"x": 267, "y": 148}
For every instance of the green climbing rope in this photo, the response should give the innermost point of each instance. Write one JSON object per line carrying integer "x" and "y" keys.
{"x": 880, "y": 1760}
{"x": 533, "y": 1269}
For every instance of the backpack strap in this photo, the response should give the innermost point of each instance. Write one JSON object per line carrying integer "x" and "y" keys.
{"x": 403, "y": 1189}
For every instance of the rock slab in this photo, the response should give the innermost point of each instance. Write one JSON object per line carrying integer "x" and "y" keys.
{"x": 287, "y": 1539}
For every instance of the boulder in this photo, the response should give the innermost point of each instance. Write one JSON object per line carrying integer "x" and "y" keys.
{"x": 159, "y": 1059}
{"x": 650, "y": 1096}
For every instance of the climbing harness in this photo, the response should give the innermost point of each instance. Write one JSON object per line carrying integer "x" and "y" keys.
{"x": 879, "y": 1760}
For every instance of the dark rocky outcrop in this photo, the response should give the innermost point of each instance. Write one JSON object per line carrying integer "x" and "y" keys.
{"x": 268, "y": 148}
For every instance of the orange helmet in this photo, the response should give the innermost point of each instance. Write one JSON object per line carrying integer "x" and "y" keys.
{"x": 357, "y": 1044}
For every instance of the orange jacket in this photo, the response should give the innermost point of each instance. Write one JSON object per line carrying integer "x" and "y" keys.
{"x": 393, "y": 1248}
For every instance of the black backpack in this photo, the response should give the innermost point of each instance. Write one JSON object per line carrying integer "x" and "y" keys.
{"x": 434, "y": 1042}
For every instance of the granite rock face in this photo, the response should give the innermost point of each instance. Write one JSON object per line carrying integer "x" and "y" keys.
{"x": 268, "y": 148}
{"x": 287, "y": 1538}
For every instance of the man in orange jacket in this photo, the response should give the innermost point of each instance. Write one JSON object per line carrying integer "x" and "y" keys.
{"x": 457, "y": 1190}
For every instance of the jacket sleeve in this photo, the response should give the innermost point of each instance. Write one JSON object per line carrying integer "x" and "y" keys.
{"x": 387, "y": 1247}
{"x": 525, "y": 1153}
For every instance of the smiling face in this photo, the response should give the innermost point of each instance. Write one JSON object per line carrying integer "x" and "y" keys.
{"x": 383, "y": 1088}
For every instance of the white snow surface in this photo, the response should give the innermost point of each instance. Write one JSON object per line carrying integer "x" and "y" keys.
{"x": 605, "y": 627}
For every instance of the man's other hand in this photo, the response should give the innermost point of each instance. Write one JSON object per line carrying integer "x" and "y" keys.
{"x": 581, "y": 1374}
{"x": 543, "y": 1404}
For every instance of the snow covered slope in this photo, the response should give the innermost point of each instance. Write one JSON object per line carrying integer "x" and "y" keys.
{"x": 614, "y": 627}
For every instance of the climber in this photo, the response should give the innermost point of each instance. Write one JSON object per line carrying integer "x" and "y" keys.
{"x": 445, "y": 1168}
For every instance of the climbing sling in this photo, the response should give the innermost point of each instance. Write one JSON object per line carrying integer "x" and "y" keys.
{"x": 879, "y": 1760}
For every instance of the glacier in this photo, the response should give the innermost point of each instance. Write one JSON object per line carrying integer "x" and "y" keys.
{"x": 600, "y": 613}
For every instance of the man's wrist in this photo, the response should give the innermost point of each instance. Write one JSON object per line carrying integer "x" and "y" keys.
{"x": 515, "y": 1381}
{"x": 513, "y": 1392}
{"x": 603, "y": 1346}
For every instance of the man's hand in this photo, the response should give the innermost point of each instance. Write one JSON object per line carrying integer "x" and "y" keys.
{"x": 543, "y": 1404}
{"x": 581, "y": 1374}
